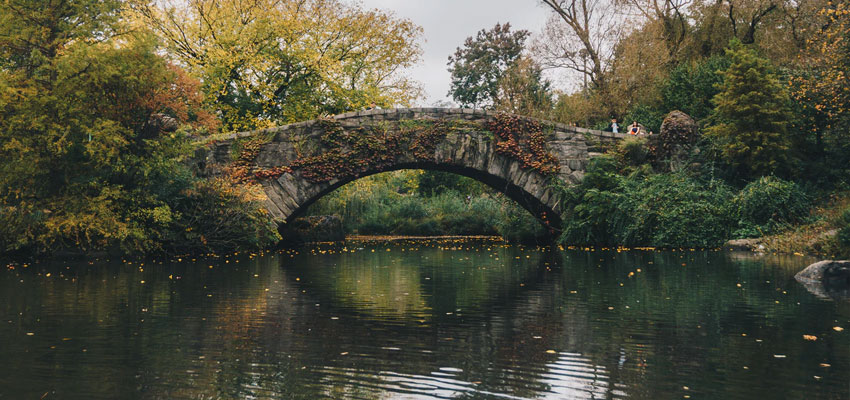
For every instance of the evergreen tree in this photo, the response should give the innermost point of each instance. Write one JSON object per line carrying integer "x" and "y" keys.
{"x": 753, "y": 116}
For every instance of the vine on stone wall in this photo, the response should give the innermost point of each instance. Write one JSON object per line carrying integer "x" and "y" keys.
{"x": 353, "y": 152}
{"x": 523, "y": 140}
{"x": 241, "y": 169}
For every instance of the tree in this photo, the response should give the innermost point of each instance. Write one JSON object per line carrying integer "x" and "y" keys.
{"x": 690, "y": 87}
{"x": 266, "y": 62}
{"x": 524, "y": 91}
{"x": 752, "y": 107}
{"x": 668, "y": 17}
{"x": 86, "y": 163}
{"x": 745, "y": 16}
{"x": 580, "y": 37}
{"x": 479, "y": 65}
{"x": 821, "y": 84}
{"x": 641, "y": 64}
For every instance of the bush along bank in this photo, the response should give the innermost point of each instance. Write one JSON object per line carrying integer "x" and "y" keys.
{"x": 623, "y": 201}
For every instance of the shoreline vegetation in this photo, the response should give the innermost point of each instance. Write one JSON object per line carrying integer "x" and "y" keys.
{"x": 102, "y": 100}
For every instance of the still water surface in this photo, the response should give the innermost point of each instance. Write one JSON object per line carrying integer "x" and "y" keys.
{"x": 415, "y": 320}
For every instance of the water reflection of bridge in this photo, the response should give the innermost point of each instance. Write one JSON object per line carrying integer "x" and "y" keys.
{"x": 488, "y": 314}
{"x": 269, "y": 328}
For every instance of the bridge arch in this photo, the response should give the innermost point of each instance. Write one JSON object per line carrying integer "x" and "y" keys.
{"x": 299, "y": 163}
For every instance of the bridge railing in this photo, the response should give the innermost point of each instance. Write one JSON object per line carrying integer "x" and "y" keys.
{"x": 473, "y": 113}
{"x": 392, "y": 114}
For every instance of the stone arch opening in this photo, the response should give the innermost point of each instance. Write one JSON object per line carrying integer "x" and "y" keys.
{"x": 542, "y": 213}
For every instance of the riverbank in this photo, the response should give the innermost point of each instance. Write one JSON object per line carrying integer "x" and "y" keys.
{"x": 821, "y": 236}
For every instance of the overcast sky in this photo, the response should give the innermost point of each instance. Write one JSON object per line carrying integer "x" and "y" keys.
{"x": 447, "y": 23}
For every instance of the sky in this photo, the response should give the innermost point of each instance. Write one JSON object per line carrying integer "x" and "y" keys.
{"x": 447, "y": 23}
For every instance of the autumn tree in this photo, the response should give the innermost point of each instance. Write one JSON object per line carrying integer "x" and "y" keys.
{"x": 752, "y": 107}
{"x": 668, "y": 20}
{"x": 821, "y": 84}
{"x": 524, "y": 91}
{"x": 478, "y": 66}
{"x": 265, "y": 62}
{"x": 88, "y": 113}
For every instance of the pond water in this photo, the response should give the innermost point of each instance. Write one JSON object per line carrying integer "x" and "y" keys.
{"x": 410, "y": 320}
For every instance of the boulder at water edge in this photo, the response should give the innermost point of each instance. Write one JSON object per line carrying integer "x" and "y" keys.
{"x": 827, "y": 278}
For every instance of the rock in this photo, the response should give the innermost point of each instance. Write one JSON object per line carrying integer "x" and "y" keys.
{"x": 159, "y": 123}
{"x": 834, "y": 273}
{"x": 827, "y": 278}
{"x": 744, "y": 244}
{"x": 673, "y": 143}
{"x": 321, "y": 228}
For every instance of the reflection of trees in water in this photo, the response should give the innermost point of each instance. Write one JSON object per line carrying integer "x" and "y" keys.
{"x": 312, "y": 337}
{"x": 689, "y": 323}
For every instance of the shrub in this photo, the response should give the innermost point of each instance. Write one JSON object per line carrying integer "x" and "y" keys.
{"x": 672, "y": 210}
{"x": 668, "y": 210}
{"x": 843, "y": 236}
{"x": 409, "y": 207}
{"x": 769, "y": 204}
{"x": 633, "y": 151}
{"x": 518, "y": 226}
{"x": 220, "y": 216}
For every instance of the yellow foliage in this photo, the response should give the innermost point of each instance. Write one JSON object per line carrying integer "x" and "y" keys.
{"x": 294, "y": 59}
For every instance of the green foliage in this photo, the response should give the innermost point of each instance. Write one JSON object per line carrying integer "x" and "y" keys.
{"x": 691, "y": 86}
{"x": 524, "y": 91}
{"x": 672, "y": 210}
{"x": 438, "y": 182}
{"x": 766, "y": 205}
{"x": 645, "y": 115}
{"x": 666, "y": 210}
{"x": 479, "y": 65}
{"x": 633, "y": 151}
{"x": 518, "y": 226}
{"x": 393, "y": 203}
{"x": 843, "y": 237}
{"x": 752, "y": 108}
{"x": 218, "y": 216}
{"x": 445, "y": 214}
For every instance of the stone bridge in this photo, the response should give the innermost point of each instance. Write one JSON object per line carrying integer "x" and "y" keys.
{"x": 299, "y": 163}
